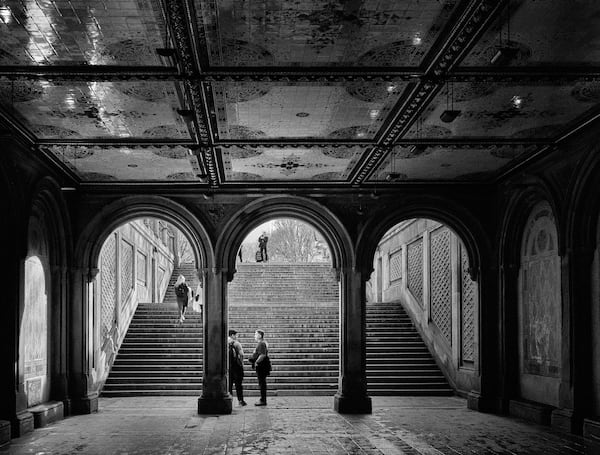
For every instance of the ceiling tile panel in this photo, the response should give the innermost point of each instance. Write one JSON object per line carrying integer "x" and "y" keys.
{"x": 108, "y": 32}
{"x": 292, "y": 163}
{"x": 538, "y": 32}
{"x": 446, "y": 162}
{"x": 322, "y": 32}
{"x": 536, "y": 111}
{"x": 119, "y": 110}
{"x": 108, "y": 164}
{"x": 268, "y": 110}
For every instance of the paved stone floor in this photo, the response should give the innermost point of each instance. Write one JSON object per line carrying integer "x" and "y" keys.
{"x": 292, "y": 425}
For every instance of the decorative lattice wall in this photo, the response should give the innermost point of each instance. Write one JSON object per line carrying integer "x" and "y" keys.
{"x": 396, "y": 266}
{"x": 468, "y": 306}
{"x": 441, "y": 282}
{"x": 108, "y": 285}
{"x": 126, "y": 269}
{"x": 415, "y": 269}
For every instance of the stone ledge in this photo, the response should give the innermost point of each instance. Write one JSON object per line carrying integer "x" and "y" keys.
{"x": 46, "y": 413}
{"x": 532, "y": 411}
{"x": 22, "y": 424}
{"x": 4, "y": 432}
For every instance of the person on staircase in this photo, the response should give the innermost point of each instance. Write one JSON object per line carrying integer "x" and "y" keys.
{"x": 262, "y": 246}
{"x": 262, "y": 364}
{"x": 236, "y": 367}
{"x": 182, "y": 292}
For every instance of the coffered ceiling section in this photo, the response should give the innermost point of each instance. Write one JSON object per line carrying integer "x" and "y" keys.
{"x": 71, "y": 32}
{"x": 538, "y": 32}
{"x": 271, "y": 110}
{"x": 291, "y": 163}
{"x": 505, "y": 110}
{"x": 442, "y": 163}
{"x": 321, "y": 32}
{"x": 139, "y": 164}
{"x": 96, "y": 110}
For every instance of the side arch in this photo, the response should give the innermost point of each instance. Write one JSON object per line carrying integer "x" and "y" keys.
{"x": 271, "y": 207}
{"x": 461, "y": 221}
{"x": 92, "y": 237}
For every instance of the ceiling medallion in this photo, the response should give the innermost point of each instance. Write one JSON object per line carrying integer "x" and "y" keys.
{"x": 302, "y": 114}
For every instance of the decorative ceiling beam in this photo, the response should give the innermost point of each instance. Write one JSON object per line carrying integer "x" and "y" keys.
{"x": 89, "y": 73}
{"x": 120, "y": 142}
{"x": 524, "y": 74}
{"x": 477, "y": 16}
{"x": 366, "y": 167}
{"x": 294, "y": 143}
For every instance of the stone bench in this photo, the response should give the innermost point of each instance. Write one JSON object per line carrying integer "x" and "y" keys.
{"x": 46, "y": 413}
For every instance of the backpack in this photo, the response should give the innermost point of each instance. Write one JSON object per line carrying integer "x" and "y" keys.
{"x": 181, "y": 290}
{"x": 234, "y": 359}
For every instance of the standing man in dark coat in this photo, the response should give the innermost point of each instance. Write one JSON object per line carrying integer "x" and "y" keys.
{"x": 262, "y": 246}
{"x": 236, "y": 367}
{"x": 261, "y": 362}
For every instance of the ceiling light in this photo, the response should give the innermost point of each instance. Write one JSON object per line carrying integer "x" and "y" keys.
{"x": 393, "y": 177}
{"x": 167, "y": 55}
{"x": 186, "y": 114}
{"x": 391, "y": 88}
{"x": 6, "y": 15}
{"x": 132, "y": 165}
{"x": 417, "y": 40}
{"x": 517, "y": 102}
{"x": 302, "y": 114}
{"x": 374, "y": 113}
{"x": 360, "y": 134}
{"x": 449, "y": 115}
{"x": 417, "y": 149}
{"x": 504, "y": 56}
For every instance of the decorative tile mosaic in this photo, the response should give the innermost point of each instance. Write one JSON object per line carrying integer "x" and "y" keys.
{"x": 447, "y": 162}
{"x": 334, "y": 164}
{"x": 108, "y": 32}
{"x": 59, "y": 110}
{"x": 568, "y": 34}
{"x": 303, "y": 110}
{"x": 128, "y": 163}
{"x": 541, "y": 110}
{"x": 321, "y": 32}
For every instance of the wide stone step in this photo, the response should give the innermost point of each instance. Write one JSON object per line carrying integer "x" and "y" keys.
{"x": 397, "y": 379}
{"x": 154, "y": 386}
{"x": 157, "y": 392}
{"x": 148, "y": 380}
{"x": 415, "y": 392}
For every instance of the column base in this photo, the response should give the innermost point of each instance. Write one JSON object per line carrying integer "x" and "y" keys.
{"x": 591, "y": 435}
{"x": 479, "y": 403}
{"x": 566, "y": 420}
{"x": 345, "y": 404}
{"x": 22, "y": 424}
{"x": 4, "y": 432}
{"x": 85, "y": 405}
{"x": 218, "y": 406}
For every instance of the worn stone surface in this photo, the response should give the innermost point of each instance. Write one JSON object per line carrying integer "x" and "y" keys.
{"x": 293, "y": 425}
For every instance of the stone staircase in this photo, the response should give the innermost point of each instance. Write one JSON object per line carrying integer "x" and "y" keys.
{"x": 158, "y": 356}
{"x": 297, "y": 307}
{"x": 398, "y": 361}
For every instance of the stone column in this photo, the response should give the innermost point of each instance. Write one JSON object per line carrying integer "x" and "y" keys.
{"x": 352, "y": 397}
{"x": 59, "y": 332}
{"x": 215, "y": 397}
{"x": 84, "y": 400}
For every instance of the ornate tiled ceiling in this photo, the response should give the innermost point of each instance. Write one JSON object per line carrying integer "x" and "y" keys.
{"x": 321, "y": 32}
{"x": 231, "y": 93}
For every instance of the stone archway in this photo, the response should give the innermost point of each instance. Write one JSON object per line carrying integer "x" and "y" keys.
{"x": 89, "y": 249}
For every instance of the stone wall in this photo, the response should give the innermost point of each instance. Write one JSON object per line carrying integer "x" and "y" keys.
{"x": 424, "y": 266}
{"x": 136, "y": 263}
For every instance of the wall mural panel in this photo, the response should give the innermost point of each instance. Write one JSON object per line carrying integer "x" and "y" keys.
{"x": 34, "y": 332}
{"x": 447, "y": 162}
{"x": 559, "y": 38}
{"x": 292, "y": 163}
{"x": 168, "y": 163}
{"x": 539, "y": 110}
{"x": 540, "y": 296}
{"x": 74, "y": 110}
{"x": 112, "y": 32}
{"x": 247, "y": 110}
{"x": 287, "y": 32}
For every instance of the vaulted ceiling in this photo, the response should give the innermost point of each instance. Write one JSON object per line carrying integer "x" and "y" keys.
{"x": 230, "y": 93}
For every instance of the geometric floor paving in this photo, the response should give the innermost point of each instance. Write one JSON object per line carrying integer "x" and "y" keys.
{"x": 293, "y": 425}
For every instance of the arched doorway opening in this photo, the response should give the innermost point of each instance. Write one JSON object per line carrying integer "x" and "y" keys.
{"x": 291, "y": 292}
{"x": 141, "y": 346}
{"x": 422, "y": 309}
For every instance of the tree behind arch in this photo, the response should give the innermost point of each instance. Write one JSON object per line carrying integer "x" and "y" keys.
{"x": 294, "y": 241}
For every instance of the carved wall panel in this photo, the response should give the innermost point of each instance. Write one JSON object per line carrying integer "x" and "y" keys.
{"x": 441, "y": 282}
{"x": 468, "y": 305}
{"x": 415, "y": 269}
{"x": 396, "y": 266}
{"x": 126, "y": 270}
{"x": 108, "y": 287}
